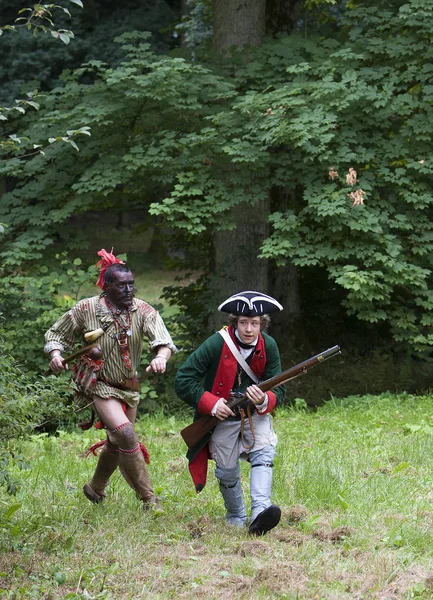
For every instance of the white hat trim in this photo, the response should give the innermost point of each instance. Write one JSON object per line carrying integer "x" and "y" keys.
{"x": 250, "y": 302}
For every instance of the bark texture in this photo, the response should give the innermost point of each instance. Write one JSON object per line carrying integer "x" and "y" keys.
{"x": 238, "y": 23}
{"x": 235, "y": 252}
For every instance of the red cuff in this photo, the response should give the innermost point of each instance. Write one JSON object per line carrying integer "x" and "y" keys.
{"x": 206, "y": 403}
{"x": 272, "y": 403}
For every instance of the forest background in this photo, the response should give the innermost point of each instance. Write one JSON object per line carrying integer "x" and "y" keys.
{"x": 282, "y": 146}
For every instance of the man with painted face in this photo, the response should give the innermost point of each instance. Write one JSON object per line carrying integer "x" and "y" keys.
{"x": 109, "y": 384}
{"x": 236, "y": 359}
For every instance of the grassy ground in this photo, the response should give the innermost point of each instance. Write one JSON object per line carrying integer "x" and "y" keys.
{"x": 353, "y": 480}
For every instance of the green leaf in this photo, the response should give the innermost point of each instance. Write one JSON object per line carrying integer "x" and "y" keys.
{"x": 60, "y": 577}
{"x": 12, "y": 510}
{"x": 401, "y": 467}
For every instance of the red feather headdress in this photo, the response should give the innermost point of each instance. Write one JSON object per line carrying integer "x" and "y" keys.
{"x": 107, "y": 259}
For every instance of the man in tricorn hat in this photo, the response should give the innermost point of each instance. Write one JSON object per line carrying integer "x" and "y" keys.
{"x": 109, "y": 383}
{"x": 236, "y": 359}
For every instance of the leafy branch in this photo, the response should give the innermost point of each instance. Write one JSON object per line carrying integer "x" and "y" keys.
{"x": 39, "y": 17}
{"x": 13, "y": 143}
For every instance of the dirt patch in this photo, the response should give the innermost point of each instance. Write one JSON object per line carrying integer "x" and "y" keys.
{"x": 336, "y": 535}
{"x": 200, "y": 527}
{"x": 403, "y": 582}
{"x": 254, "y": 548}
{"x": 282, "y": 576}
{"x": 291, "y": 536}
{"x": 176, "y": 465}
{"x": 297, "y": 513}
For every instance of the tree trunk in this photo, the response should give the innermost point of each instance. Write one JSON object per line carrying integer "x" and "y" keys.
{"x": 237, "y": 23}
{"x": 287, "y": 327}
{"x": 237, "y": 266}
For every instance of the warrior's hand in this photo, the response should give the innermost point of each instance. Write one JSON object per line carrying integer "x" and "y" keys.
{"x": 56, "y": 363}
{"x": 222, "y": 410}
{"x": 157, "y": 365}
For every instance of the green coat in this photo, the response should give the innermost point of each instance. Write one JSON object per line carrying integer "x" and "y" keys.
{"x": 210, "y": 373}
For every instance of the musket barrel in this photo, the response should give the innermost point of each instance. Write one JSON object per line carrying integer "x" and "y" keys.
{"x": 192, "y": 434}
{"x": 299, "y": 369}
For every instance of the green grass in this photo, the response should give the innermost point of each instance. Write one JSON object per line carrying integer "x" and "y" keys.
{"x": 353, "y": 479}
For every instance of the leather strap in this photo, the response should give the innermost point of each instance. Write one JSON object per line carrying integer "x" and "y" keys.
{"x": 251, "y": 427}
{"x": 228, "y": 340}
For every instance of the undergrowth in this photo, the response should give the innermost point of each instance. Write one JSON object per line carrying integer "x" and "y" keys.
{"x": 353, "y": 479}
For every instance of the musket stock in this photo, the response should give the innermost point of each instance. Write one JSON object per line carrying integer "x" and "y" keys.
{"x": 192, "y": 434}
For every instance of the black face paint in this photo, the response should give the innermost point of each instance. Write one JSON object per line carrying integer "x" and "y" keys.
{"x": 120, "y": 292}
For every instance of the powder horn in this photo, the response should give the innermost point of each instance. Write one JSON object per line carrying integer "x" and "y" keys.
{"x": 92, "y": 336}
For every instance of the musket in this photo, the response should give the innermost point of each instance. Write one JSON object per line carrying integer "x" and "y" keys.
{"x": 192, "y": 434}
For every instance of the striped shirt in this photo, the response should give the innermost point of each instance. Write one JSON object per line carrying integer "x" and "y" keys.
{"x": 90, "y": 314}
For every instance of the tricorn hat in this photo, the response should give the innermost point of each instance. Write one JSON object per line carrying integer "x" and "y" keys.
{"x": 250, "y": 304}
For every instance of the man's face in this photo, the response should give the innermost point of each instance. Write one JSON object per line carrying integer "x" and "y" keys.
{"x": 121, "y": 291}
{"x": 248, "y": 328}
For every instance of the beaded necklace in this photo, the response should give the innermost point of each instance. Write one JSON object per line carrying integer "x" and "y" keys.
{"x": 122, "y": 320}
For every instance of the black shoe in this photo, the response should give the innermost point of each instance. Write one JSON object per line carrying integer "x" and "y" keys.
{"x": 266, "y": 520}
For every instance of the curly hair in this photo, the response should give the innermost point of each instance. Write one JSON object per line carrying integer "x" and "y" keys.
{"x": 265, "y": 321}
